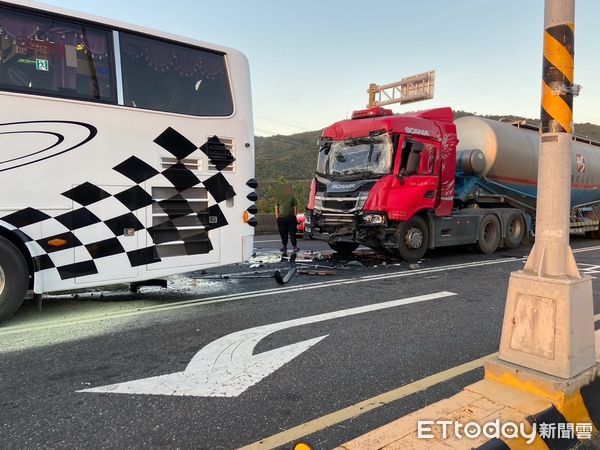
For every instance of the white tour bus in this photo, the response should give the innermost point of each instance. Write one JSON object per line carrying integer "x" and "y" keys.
{"x": 126, "y": 154}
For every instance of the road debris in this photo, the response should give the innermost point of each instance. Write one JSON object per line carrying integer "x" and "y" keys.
{"x": 284, "y": 279}
{"x": 355, "y": 264}
{"x": 315, "y": 272}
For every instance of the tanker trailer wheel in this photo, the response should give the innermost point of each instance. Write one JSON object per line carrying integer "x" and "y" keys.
{"x": 14, "y": 279}
{"x": 515, "y": 230}
{"x": 343, "y": 248}
{"x": 592, "y": 234}
{"x": 489, "y": 234}
{"x": 413, "y": 239}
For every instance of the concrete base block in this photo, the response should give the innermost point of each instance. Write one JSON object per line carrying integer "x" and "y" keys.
{"x": 549, "y": 324}
{"x": 553, "y": 388}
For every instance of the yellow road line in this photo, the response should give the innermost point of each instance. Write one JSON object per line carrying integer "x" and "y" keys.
{"x": 370, "y": 404}
{"x": 365, "y": 406}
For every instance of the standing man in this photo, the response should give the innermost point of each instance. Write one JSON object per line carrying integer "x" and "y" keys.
{"x": 285, "y": 212}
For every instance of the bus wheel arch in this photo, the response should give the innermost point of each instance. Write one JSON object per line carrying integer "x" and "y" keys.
{"x": 19, "y": 242}
{"x": 14, "y": 277}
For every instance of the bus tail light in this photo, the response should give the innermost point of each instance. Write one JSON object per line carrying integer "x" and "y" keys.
{"x": 248, "y": 218}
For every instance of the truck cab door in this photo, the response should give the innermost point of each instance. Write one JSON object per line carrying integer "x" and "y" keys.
{"x": 417, "y": 170}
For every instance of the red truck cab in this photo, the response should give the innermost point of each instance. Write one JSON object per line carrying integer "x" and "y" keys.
{"x": 380, "y": 176}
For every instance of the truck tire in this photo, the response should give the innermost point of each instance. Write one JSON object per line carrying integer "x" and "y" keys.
{"x": 343, "y": 248}
{"x": 413, "y": 239}
{"x": 515, "y": 230}
{"x": 14, "y": 279}
{"x": 489, "y": 234}
{"x": 592, "y": 234}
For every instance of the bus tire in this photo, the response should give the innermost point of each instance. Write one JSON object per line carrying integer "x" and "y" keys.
{"x": 489, "y": 234}
{"x": 413, "y": 239}
{"x": 515, "y": 230}
{"x": 14, "y": 279}
{"x": 343, "y": 248}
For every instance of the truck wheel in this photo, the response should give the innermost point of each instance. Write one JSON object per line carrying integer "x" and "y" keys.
{"x": 343, "y": 248}
{"x": 592, "y": 234}
{"x": 489, "y": 234}
{"x": 14, "y": 279}
{"x": 515, "y": 230}
{"x": 413, "y": 239}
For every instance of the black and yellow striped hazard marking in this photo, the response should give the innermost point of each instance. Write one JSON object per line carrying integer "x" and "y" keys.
{"x": 580, "y": 408}
{"x": 557, "y": 101}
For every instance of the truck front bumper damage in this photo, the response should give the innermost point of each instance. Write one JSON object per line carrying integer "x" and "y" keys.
{"x": 369, "y": 229}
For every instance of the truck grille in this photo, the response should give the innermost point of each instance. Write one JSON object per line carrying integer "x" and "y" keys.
{"x": 336, "y": 219}
{"x": 342, "y": 204}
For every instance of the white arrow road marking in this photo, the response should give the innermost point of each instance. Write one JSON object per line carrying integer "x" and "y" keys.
{"x": 227, "y": 367}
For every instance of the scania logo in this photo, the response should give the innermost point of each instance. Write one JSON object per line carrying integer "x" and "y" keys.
{"x": 410, "y": 130}
{"x": 342, "y": 187}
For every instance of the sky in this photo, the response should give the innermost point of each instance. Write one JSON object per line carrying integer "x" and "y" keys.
{"x": 311, "y": 61}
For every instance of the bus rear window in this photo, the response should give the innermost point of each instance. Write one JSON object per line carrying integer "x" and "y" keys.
{"x": 41, "y": 55}
{"x": 168, "y": 77}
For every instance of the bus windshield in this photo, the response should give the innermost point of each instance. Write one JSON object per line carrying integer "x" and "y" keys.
{"x": 368, "y": 156}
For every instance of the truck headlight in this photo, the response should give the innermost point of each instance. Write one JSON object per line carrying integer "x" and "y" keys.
{"x": 374, "y": 219}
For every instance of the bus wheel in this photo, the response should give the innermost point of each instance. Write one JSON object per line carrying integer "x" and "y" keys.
{"x": 14, "y": 279}
{"x": 343, "y": 248}
{"x": 413, "y": 239}
{"x": 489, "y": 234}
{"x": 515, "y": 230}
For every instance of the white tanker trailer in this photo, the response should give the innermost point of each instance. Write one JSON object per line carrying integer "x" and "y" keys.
{"x": 499, "y": 161}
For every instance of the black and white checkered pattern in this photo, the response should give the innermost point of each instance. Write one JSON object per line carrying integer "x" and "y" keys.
{"x": 95, "y": 229}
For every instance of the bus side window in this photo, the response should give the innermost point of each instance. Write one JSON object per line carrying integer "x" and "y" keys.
{"x": 46, "y": 56}
{"x": 170, "y": 77}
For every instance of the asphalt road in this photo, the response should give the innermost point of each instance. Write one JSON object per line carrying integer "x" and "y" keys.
{"x": 451, "y": 315}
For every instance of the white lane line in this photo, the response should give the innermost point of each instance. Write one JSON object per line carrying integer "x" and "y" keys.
{"x": 228, "y": 366}
{"x": 254, "y": 294}
{"x": 262, "y": 242}
{"x": 227, "y": 298}
{"x": 586, "y": 249}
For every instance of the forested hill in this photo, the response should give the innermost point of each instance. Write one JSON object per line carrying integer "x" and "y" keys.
{"x": 294, "y": 156}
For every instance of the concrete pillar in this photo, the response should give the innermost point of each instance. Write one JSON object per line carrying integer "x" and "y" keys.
{"x": 548, "y": 321}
